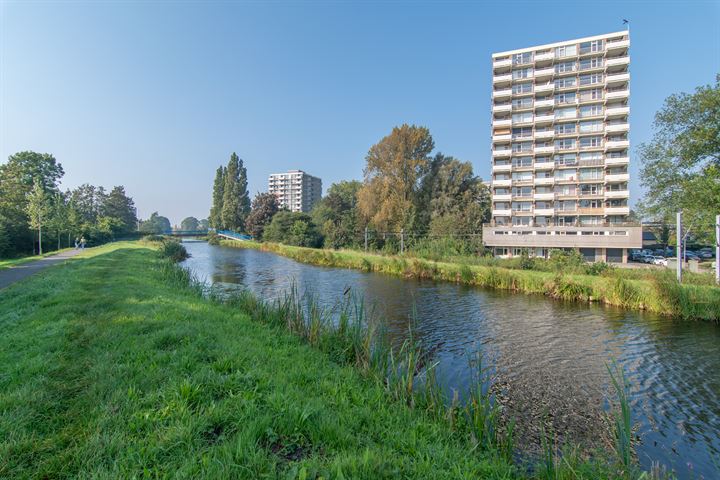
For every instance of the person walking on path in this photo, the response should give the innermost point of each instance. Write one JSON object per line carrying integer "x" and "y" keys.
{"x": 77, "y": 243}
{"x": 82, "y": 243}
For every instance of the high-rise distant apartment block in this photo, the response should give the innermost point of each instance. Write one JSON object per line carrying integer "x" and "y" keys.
{"x": 295, "y": 190}
{"x": 560, "y": 150}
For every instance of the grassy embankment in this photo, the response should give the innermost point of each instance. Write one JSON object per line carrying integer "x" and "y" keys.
{"x": 13, "y": 262}
{"x": 653, "y": 291}
{"x": 118, "y": 366}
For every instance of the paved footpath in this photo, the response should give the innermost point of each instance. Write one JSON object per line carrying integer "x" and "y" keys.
{"x": 13, "y": 274}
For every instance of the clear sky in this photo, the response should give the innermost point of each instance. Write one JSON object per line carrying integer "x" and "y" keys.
{"x": 155, "y": 96}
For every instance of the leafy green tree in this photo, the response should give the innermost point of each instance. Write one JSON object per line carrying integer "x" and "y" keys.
{"x": 38, "y": 210}
{"x": 337, "y": 216}
{"x": 156, "y": 224}
{"x": 293, "y": 228}
{"x": 17, "y": 179}
{"x": 58, "y": 220}
{"x": 119, "y": 206}
{"x": 681, "y": 165}
{"x": 215, "y": 218}
{"x": 236, "y": 203}
{"x": 189, "y": 223}
{"x": 388, "y": 198}
{"x": 264, "y": 207}
{"x": 5, "y": 246}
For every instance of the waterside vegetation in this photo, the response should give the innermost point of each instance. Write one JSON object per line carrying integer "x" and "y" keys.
{"x": 657, "y": 291}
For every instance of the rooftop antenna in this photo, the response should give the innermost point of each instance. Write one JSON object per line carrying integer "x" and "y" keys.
{"x": 627, "y": 22}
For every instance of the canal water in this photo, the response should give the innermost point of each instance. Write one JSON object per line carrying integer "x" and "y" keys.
{"x": 549, "y": 358}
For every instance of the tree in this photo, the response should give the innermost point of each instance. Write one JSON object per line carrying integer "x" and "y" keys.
{"x": 38, "y": 209}
{"x": 395, "y": 165}
{"x": 17, "y": 179}
{"x": 203, "y": 224}
{"x": 156, "y": 224}
{"x": 293, "y": 228}
{"x": 215, "y": 218}
{"x": 58, "y": 220}
{"x": 118, "y": 206}
{"x": 236, "y": 204}
{"x": 681, "y": 165}
{"x": 264, "y": 207}
{"x": 337, "y": 216}
{"x": 189, "y": 223}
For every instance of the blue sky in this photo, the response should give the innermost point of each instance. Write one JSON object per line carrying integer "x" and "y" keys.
{"x": 155, "y": 96}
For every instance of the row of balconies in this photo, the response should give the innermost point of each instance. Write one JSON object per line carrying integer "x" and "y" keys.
{"x": 609, "y": 194}
{"x": 550, "y": 118}
{"x": 609, "y": 79}
{"x": 576, "y": 67}
{"x": 614, "y": 46}
{"x": 609, "y": 145}
{"x": 608, "y": 162}
{"x": 548, "y": 212}
{"x": 608, "y": 178}
{"x": 507, "y": 106}
{"x": 547, "y": 134}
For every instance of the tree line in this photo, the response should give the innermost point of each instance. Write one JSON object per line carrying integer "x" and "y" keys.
{"x": 36, "y": 216}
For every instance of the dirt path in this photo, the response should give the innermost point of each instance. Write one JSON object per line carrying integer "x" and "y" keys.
{"x": 11, "y": 275}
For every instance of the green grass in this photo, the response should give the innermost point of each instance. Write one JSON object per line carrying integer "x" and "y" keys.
{"x": 115, "y": 367}
{"x": 13, "y": 262}
{"x": 656, "y": 292}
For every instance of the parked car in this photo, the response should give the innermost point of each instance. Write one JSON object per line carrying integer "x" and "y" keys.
{"x": 657, "y": 260}
{"x": 647, "y": 258}
{"x": 706, "y": 254}
{"x": 691, "y": 256}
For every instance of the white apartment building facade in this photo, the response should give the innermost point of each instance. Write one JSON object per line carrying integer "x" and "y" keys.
{"x": 560, "y": 150}
{"x": 295, "y": 190}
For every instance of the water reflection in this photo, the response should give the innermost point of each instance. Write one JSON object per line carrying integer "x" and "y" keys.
{"x": 550, "y": 357}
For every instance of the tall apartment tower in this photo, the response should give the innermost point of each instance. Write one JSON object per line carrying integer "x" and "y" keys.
{"x": 560, "y": 150}
{"x": 295, "y": 190}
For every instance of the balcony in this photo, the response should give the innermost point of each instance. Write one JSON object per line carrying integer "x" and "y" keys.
{"x": 544, "y": 196}
{"x": 501, "y": 168}
{"x": 544, "y": 212}
{"x": 544, "y": 103}
{"x": 502, "y": 123}
{"x": 504, "y": 197}
{"x": 502, "y": 108}
{"x": 591, "y": 211}
{"x": 617, "y": 127}
{"x": 544, "y": 118}
{"x": 505, "y": 152}
{"x": 502, "y": 78}
{"x": 617, "y": 78}
{"x": 545, "y": 57}
{"x": 544, "y": 181}
{"x": 617, "y": 177}
{"x": 502, "y": 138}
{"x": 546, "y": 87}
{"x": 617, "y": 144}
{"x": 611, "y": 46}
{"x": 544, "y": 165}
{"x": 617, "y": 94}
{"x": 501, "y": 213}
{"x": 502, "y": 63}
{"x": 506, "y": 92}
{"x": 501, "y": 183}
{"x": 544, "y": 134}
{"x": 617, "y": 210}
{"x": 617, "y": 193}
{"x": 620, "y": 61}
{"x": 544, "y": 150}
{"x": 554, "y": 236}
{"x": 616, "y": 161}
{"x": 544, "y": 72}
{"x": 617, "y": 112}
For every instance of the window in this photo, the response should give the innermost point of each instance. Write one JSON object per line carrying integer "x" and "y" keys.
{"x": 502, "y": 191}
{"x": 522, "y": 88}
{"x": 591, "y": 174}
{"x": 525, "y": 102}
{"x": 592, "y": 94}
{"x": 591, "y": 79}
{"x": 522, "y": 132}
{"x": 591, "y": 189}
{"x": 522, "y": 73}
{"x": 591, "y": 158}
{"x": 542, "y": 159}
{"x": 568, "y": 97}
{"x": 566, "y": 82}
{"x": 590, "y": 142}
{"x": 522, "y": 162}
{"x": 566, "y": 205}
{"x": 522, "y": 147}
{"x": 522, "y": 192}
{"x": 522, "y": 117}
{"x": 565, "y": 174}
{"x": 565, "y": 144}
{"x": 566, "y": 190}
{"x": 521, "y": 58}
{"x": 522, "y": 176}
{"x": 591, "y": 126}
{"x": 590, "y": 63}
{"x": 593, "y": 46}
{"x": 565, "y": 67}
{"x": 591, "y": 110}
{"x": 565, "y": 128}
{"x": 569, "y": 112}
{"x": 520, "y": 221}
{"x": 566, "y": 159}
{"x": 566, "y": 51}
{"x": 522, "y": 206}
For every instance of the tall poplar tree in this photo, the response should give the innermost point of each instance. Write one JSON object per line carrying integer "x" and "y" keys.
{"x": 236, "y": 203}
{"x": 38, "y": 210}
{"x": 215, "y": 218}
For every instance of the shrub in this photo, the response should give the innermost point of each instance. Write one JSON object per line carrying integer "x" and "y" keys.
{"x": 213, "y": 238}
{"x": 153, "y": 238}
{"x": 174, "y": 250}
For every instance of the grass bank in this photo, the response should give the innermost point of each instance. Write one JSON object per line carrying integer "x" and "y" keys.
{"x": 115, "y": 367}
{"x": 660, "y": 293}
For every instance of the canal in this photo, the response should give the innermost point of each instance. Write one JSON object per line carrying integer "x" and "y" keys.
{"x": 549, "y": 358}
